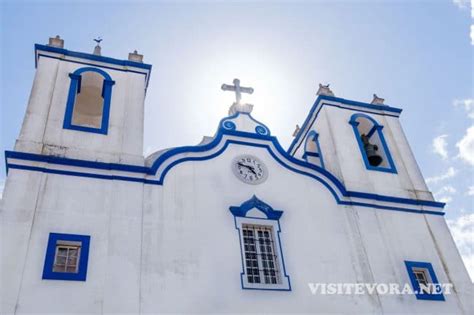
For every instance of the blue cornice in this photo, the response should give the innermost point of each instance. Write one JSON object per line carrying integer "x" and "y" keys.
{"x": 361, "y": 105}
{"x": 118, "y": 62}
{"x": 270, "y": 143}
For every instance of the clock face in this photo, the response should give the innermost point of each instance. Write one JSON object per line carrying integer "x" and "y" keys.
{"x": 249, "y": 169}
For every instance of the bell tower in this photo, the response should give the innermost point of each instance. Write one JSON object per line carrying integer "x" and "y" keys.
{"x": 85, "y": 106}
{"x": 362, "y": 144}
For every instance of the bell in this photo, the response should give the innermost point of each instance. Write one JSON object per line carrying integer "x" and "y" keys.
{"x": 371, "y": 151}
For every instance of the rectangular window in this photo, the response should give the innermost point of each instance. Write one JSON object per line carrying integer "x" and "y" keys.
{"x": 260, "y": 254}
{"x": 421, "y": 276}
{"x": 424, "y": 281}
{"x": 66, "y": 258}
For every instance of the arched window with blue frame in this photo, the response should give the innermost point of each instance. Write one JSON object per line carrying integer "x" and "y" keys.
{"x": 88, "y": 102}
{"x": 372, "y": 144}
{"x": 312, "y": 150}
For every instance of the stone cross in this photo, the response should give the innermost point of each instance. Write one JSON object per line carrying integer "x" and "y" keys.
{"x": 237, "y": 89}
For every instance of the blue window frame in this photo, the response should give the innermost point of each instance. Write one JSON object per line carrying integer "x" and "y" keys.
{"x": 263, "y": 266}
{"x": 66, "y": 257}
{"x": 363, "y": 124}
{"x": 312, "y": 149}
{"x": 422, "y": 272}
{"x": 75, "y": 90}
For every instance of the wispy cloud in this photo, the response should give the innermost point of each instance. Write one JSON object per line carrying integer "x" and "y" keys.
{"x": 444, "y": 194}
{"x": 466, "y": 146}
{"x": 451, "y": 172}
{"x": 462, "y": 229}
{"x": 462, "y": 4}
{"x": 470, "y": 191}
{"x": 468, "y": 103}
{"x": 440, "y": 146}
{"x": 448, "y": 189}
{"x": 467, "y": 4}
{"x": 472, "y": 34}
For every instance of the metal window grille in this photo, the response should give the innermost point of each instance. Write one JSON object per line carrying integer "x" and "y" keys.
{"x": 260, "y": 256}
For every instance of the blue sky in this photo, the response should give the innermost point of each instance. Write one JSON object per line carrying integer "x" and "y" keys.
{"x": 418, "y": 55}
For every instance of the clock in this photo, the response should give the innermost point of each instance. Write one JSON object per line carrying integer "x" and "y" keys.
{"x": 249, "y": 169}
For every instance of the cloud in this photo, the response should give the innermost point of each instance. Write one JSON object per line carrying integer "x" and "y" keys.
{"x": 462, "y": 229}
{"x": 472, "y": 34}
{"x": 444, "y": 194}
{"x": 466, "y": 146}
{"x": 468, "y": 103}
{"x": 451, "y": 172}
{"x": 462, "y": 4}
{"x": 448, "y": 189}
{"x": 440, "y": 146}
{"x": 470, "y": 191}
{"x": 2, "y": 186}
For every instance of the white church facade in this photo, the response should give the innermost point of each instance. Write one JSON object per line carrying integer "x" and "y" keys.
{"x": 235, "y": 224}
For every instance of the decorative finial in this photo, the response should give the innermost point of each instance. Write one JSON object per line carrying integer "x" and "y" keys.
{"x": 297, "y": 130}
{"x": 97, "y": 48}
{"x": 56, "y": 42}
{"x": 237, "y": 106}
{"x": 324, "y": 90}
{"x": 377, "y": 100}
{"x": 135, "y": 56}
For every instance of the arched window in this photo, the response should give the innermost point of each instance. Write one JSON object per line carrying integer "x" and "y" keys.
{"x": 88, "y": 102}
{"x": 312, "y": 150}
{"x": 372, "y": 144}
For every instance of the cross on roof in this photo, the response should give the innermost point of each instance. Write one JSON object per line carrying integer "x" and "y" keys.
{"x": 237, "y": 89}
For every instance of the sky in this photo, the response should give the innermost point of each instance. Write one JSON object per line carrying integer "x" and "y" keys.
{"x": 418, "y": 55}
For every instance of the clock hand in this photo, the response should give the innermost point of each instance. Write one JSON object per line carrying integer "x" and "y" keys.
{"x": 247, "y": 166}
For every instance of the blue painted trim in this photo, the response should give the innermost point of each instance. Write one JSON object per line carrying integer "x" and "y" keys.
{"x": 190, "y": 149}
{"x": 377, "y": 128}
{"x": 415, "y": 285}
{"x": 118, "y": 62}
{"x": 157, "y": 182}
{"x": 272, "y": 215}
{"x": 75, "y": 88}
{"x": 310, "y": 120}
{"x": 306, "y": 154}
{"x": 313, "y": 136}
{"x": 81, "y": 275}
{"x": 372, "y": 131}
{"x": 254, "y": 202}
{"x": 147, "y": 75}
{"x": 227, "y": 124}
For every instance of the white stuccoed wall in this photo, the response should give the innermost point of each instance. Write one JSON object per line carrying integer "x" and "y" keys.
{"x": 174, "y": 247}
{"x": 343, "y": 159}
{"x": 42, "y": 131}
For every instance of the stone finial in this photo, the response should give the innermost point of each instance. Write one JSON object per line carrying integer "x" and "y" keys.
{"x": 324, "y": 90}
{"x": 97, "y": 48}
{"x": 240, "y": 108}
{"x": 135, "y": 56}
{"x": 297, "y": 129}
{"x": 56, "y": 42}
{"x": 377, "y": 100}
